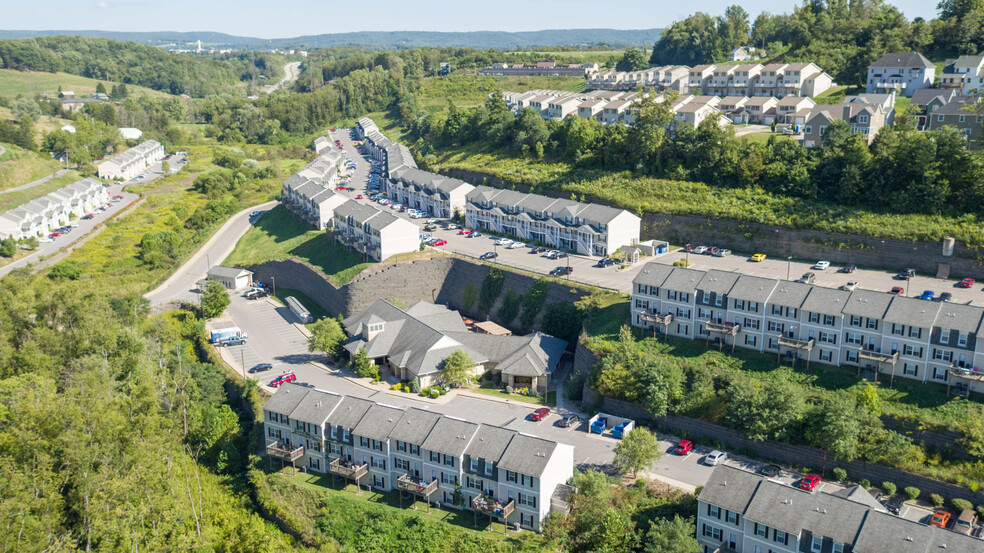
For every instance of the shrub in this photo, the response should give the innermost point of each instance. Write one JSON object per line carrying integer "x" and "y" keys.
{"x": 442, "y": 391}
{"x": 396, "y": 387}
{"x": 889, "y": 488}
{"x": 961, "y": 504}
{"x": 865, "y": 483}
{"x": 509, "y": 389}
{"x": 936, "y": 499}
{"x": 533, "y": 393}
{"x": 415, "y": 385}
{"x": 912, "y": 492}
{"x": 840, "y": 474}
{"x": 980, "y": 511}
{"x": 435, "y": 394}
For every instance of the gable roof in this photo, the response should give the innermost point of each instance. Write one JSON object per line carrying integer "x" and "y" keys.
{"x": 450, "y": 436}
{"x": 414, "y": 426}
{"x": 683, "y": 280}
{"x": 867, "y": 303}
{"x": 912, "y": 312}
{"x": 901, "y": 60}
{"x": 653, "y": 274}
{"x": 489, "y": 443}
{"x": 315, "y": 407}
{"x": 753, "y": 288}
{"x": 717, "y": 281}
{"x": 790, "y": 294}
{"x": 527, "y": 455}
{"x": 378, "y": 422}
{"x": 227, "y": 272}
{"x": 348, "y": 412}
{"x": 286, "y": 399}
{"x": 829, "y": 301}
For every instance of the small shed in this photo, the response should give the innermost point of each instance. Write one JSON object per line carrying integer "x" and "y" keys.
{"x": 488, "y": 327}
{"x": 298, "y": 309}
{"x": 231, "y": 277}
{"x": 630, "y": 254}
{"x": 654, "y": 247}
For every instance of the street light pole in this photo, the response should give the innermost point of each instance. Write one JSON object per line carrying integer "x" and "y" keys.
{"x": 789, "y": 262}
{"x": 274, "y": 281}
{"x": 242, "y": 352}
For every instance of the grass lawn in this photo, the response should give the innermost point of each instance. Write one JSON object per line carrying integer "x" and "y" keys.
{"x": 316, "y": 311}
{"x": 473, "y": 90}
{"x": 762, "y": 137}
{"x": 19, "y": 166}
{"x": 279, "y": 235}
{"x": 613, "y": 313}
{"x": 13, "y": 83}
{"x": 14, "y": 199}
{"x": 551, "y": 396}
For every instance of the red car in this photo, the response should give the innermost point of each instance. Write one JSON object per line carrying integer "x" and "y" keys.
{"x": 809, "y": 482}
{"x": 54, "y": 235}
{"x": 897, "y": 290}
{"x": 117, "y": 197}
{"x": 440, "y": 243}
{"x": 359, "y": 197}
{"x": 283, "y": 379}
{"x": 684, "y": 447}
{"x": 967, "y": 283}
{"x": 940, "y": 519}
{"x": 540, "y": 414}
{"x": 465, "y": 231}
{"x": 333, "y": 130}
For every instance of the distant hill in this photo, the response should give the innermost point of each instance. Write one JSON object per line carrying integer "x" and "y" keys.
{"x": 379, "y": 39}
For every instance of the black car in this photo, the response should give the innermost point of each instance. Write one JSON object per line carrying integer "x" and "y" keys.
{"x": 538, "y": 249}
{"x": 894, "y": 505}
{"x": 606, "y": 262}
{"x": 430, "y": 228}
{"x": 771, "y": 471}
{"x": 560, "y": 255}
{"x": 489, "y": 255}
{"x": 568, "y": 421}
{"x": 944, "y": 297}
{"x": 847, "y": 269}
{"x": 261, "y": 367}
{"x": 562, "y": 271}
{"x": 906, "y": 274}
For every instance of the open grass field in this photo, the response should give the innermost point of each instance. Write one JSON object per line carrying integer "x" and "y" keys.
{"x": 280, "y": 235}
{"x": 472, "y": 90}
{"x": 14, "y": 199}
{"x": 19, "y": 166}
{"x": 44, "y": 125}
{"x": 22, "y": 83}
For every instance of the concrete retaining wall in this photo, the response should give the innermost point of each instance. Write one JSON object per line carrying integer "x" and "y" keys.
{"x": 774, "y": 241}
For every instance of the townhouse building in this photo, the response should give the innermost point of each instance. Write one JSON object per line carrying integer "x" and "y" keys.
{"x": 591, "y": 108}
{"x": 613, "y": 113}
{"x": 322, "y": 145}
{"x": 770, "y": 81}
{"x": 692, "y": 114}
{"x": 81, "y": 197}
{"x": 901, "y": 72}
{"x": 742, "y": 512}
{"x": 560, "y": 108}
{"x": 376, "y": 233}
{"x": 794, "y": 110}
{"x": 761, "y": 109}
{"x": 131, "y": 162}
{"x": 733, "y": 108}
{"x": 960, "y": 113}
{"x": 699, "y": 80}
{"x": 925, "y": 101}
{"x": 875, "y": 332}
{"x": 672, "y": 77}
{"x": 448, "y": 461}
{"x": 41, "y": 215}
{"x": 722, "y": 80}
{"x": 310, "y": 201}
{"x": 743, "y": 79}
{"x": 863, "y": 117}
{"x": 434, "y": 194}
{"x": 964, "y": 74}
{"x": 588, "y": 229}
{"x": 392, "y": 155}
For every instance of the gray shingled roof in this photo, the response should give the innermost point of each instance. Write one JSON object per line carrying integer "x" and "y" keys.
{"x": 902, "y": 60}
{"x": 753, "y": 288}
{"x": 791, "y": 509}
{"x": 378, "y": 422}
{"x": 730, "y": 488}
{"x": 959, "y": 317}
{"x": 653, "y": 274}
{"x": 683, "y": 280}
{"x": 527, "y": 455}
{"x": 286, "y": 399}
{"x": 828, "y": 301}
{"x": 349, "y": 412}
{"x": 227, "y": 272}
{"x": 717, "y": 281}
{"x": 450, "y": 436}
{"x": 414, "y": 426}
{"x": 489, "y": 443}
{"x": 315, "y": 407}
{"x": 885, "y": 533}
{"x": 912, "y": 312}
{"x": 790, "y": 294}
{"x": 867, "y": 303}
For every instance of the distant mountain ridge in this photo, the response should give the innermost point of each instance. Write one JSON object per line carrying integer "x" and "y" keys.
{"x": 381, "y": 39}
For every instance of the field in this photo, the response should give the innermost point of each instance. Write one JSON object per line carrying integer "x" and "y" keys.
{"x": 13, "y": 199}
{"x": 20, "y": 83}
{"x": 280, "y": 235}
{"x": 19, "y": 166}
{"x": 473, "y": 90}
{"x": 44, "y": 125}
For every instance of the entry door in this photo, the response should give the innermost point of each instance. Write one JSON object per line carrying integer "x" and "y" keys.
{"x": 733, "y": 541}
{"x": 871, "y": 344}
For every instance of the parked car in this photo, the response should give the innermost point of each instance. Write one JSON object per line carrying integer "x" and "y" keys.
{"x": 809, "y": 482}
{"x": 489, "y": 255}
{"x": 569, "y": 421}
{"x": 465, "y": 231}
{"x": 683, "y": 447}
{"x": 359, "y": 197}
{"x": 807, "y": 278}
{"x": 945, "y": 297}
{"x": 452, "y": 226}
{"x": 771, "y": 471}
{"x": 758, "y": 257}
{"x": 562, "y": 271}
{"x": 537, "y": 249}
{"x": 927, "y": 295}
{"x": 283, "y": 379}
{"x": 897, "y": 290}
{"x": 850, "y": 286}
{"x": 847, "y": 269}
{"x": 515, "y": 246}
{"x": 965, "y": 522}
{"x": 688, "y": 248}
{"x": 233, "y": 341}
{"x": 475, "y": 234}
{"x": 906, "y": 274}
{"x": 940, "y": 518}
{"x": 54, "y": 235}
{"x": 894, "y": 505}
{"x": 821, "y": 265}
{"x": 967, "y": 283}
{"x": 88, "y": 216}
{"x": 540, "y": 414}
{"x": 503, "y": 242}
{"x": 700, "y": 249}
{"x": 722, "y": 252}
{"x": 715, "y": 457}
{"x": 440, "y": 243}
{"x": 261, "y": 367}
{"x": 430, "y": 228}
{"x": 605, "y": 262}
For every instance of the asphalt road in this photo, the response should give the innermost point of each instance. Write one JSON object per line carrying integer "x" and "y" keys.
{"x": 291, "y": 71}
{"x": 34, "y": 183}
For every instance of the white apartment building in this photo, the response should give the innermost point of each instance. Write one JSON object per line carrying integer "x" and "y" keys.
{"x": 131, "y": 162}
{"x": 378, "y": 234}
{"x": 901, "y": 72}
{"x": 588, "y": 229}
{"x": 741, "y": 512}
{"x": 434, "y": 194}
{"x": 876, "y": 332}
{"x": 502, "y": 473}
{"x": 52, "y": 210}
{"x": 308, "y": 193}
{"x": 965, "y": 74}
{"x": 322, "y": 144}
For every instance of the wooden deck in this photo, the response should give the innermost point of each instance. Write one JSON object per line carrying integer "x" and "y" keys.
{"x": 284, "y": 453}
{"x": 417, "y": 486}
{"x": 355, "y": 471}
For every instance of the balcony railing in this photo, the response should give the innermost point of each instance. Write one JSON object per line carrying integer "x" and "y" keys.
{"x": 878, "y": 356}
{"x": 967, "y": 373}
{"x": 785, "y": 341}
{"x": 348, "y": 469}
{"x": 730, "y": 329}
{"x": 282, "y": 452}
{"x": 494, "y": 507}
{"x": 416, "y": 485}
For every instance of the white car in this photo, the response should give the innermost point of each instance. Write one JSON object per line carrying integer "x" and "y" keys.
{"x": 515, "y": 246}
{"x": 503, "y": 242}
{"x": 46, "y": 240}
{"x": 452, "y": 226}
{"x": 431, "y": 221}
{"x": 715, "y": 457}
{"x": 821, "y": 265}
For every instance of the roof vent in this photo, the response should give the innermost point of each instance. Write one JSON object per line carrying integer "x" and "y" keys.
{"x": 824, "y": 511}
{"x": 724, "y": 483}
{"x": 317, "y": 404}
{"x": 908, "y": 538}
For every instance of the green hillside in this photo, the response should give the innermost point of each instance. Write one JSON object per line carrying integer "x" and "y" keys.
{"x": 24, "y": 83}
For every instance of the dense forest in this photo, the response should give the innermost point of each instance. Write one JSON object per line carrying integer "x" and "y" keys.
{"x": 841, "y": 36}
{"x": 139, "y": 64}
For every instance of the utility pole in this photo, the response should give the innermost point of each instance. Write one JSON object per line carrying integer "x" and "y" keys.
{"x": 274, "y": 281}
{"x": 242, "y": 357}
{"x": 789, "y": 261}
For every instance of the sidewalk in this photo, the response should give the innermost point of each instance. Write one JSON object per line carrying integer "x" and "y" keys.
{"x": 32, "y": 184}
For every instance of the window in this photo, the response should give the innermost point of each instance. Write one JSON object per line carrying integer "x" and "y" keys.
{"x": 777, "y": 310}
{"x": 377, "y": 445}
{"x": 401, "y": 446}
{"x": 808, "y": 129}
{"x": 346, "y": 435}
{"x": 945, "y": 335}
{"x": 379, "y": 481}
{"x": 684, "y": 297}
{"x": 915, "y": 332}
{"x": 713, "y": 511}
{"x": 910, "y": 369}
{"x": 853, "y": 338}
{"x": 838, "y": 548}
{"x": 683, "y": 329}
{"x": 775, "y": 327}
{"x": 962, "y": 339}
{"x": 750, "y": 340}
{"x": 898, "y": 329}
{"x": 731, "y": 517}
{"x": 718, "y": 300}
{"x": 671, "y": 295}
{"x": 474, "y": 464}
{"x": 711, "y": 532}
{"x": 447, "y": 478}
{"x": 510, "y": 476}
{"x": 872, "y": 323}
{"x": 753, "y": 306}
{"x": 474, "y": 483}
{"x": 815, "y": 318}
{"x": 488, "y": 468}
{"x": 851, "y": 356}
{"x": 828, "y": 320}
{"x": 962, "y": 117}
{"x": 816, "y": 544}
{"x": 401, "y": 464}
{"x": 855, "y": 320}
{"x": 826, "y": 355}
{"x": 822, "y": 129}
{"x": 781, "y": 537}
{"x": 828, "y": 338}
{"x": 939, "y": 118}
{"x": 682, "y": 313}
{"x": 752, "y": 324}
{"x": 863, "y": 119}
{"x": 334, "y": 432}
{"x": 911, "y": 351}
{"x": 942, "y": 355}
{"x": 435, "y": 457}
{"x": 527, "y": 499}
{"x": 761, "y": 530}
{"x": 703, "y": 313}
{"x": 739, "y": 304}
{"x": 449, "y": 460}
{"x": 526, "y": 480}
{"x": 414, "y": 449}
{"x": 378, "y": 462}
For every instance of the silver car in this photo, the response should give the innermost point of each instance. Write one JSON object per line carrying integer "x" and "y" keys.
{"x": 715, "y": 457}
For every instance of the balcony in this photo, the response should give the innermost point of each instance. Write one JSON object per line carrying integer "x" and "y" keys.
{"x": 878, "y": 356}
{"x": 348, "y": 469}
{"x": 274, "y": 449}
{"x": 493, "y": 507}
{"x": 785, "y": 341}
{"x": 729, "y": 329}
{"x": 416, "y": 485}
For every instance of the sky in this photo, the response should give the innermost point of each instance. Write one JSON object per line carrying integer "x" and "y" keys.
{"x": 290, "y": 18}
